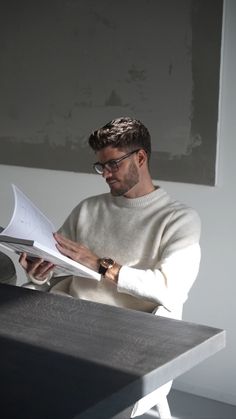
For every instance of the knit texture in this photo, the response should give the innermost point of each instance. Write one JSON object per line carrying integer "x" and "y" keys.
{"x": 155, "y": 239}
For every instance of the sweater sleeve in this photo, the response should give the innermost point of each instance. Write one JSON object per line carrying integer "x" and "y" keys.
{"x": 169, "y": 284}
{"x": 38, "y": 281}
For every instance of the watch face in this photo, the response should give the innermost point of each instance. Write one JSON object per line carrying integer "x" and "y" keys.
{"x": 107, "y": 262}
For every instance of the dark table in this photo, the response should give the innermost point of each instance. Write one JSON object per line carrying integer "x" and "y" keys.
{"x": 62, "y": 358}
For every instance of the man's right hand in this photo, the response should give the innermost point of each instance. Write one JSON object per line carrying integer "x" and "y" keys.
{"x": 36, "y": 268}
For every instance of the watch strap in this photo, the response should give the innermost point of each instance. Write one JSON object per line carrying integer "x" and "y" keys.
{"x": 102, "y": 270}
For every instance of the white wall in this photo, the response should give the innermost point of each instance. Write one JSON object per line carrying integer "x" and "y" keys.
{"x": 212, "y": 300}
{"x": 213, "y": 296}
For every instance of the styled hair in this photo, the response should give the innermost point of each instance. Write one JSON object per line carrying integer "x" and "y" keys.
{"x": 124, "y": 133}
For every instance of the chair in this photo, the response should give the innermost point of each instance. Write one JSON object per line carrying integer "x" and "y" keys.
{"x": 7, "y": 270}
{"x": 156, "y": 400}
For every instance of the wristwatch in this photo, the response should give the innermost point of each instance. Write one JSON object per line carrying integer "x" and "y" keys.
{"x": 104, "y": 265}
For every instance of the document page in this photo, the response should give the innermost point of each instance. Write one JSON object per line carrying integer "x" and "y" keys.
{"x": 30, "y": 231}
{"x": 29, "y": 223}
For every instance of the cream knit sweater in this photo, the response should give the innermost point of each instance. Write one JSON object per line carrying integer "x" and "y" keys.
{"x": 155, "y": 239}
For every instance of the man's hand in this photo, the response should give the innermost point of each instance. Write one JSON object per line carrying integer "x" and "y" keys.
{"x": 77, "y": 252}
{"x": 37, "y": 268}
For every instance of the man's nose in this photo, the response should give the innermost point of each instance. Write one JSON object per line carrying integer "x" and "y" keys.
{"x": 106, "y": 174}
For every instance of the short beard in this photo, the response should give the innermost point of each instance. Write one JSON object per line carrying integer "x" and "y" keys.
{"x": 130, "y": 180}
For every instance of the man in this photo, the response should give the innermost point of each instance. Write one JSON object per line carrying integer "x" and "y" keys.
{"x": 144, "y": 244}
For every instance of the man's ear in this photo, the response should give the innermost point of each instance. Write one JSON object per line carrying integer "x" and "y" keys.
{"x": 142, "y": 157}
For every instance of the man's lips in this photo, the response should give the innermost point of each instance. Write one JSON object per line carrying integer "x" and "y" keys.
{"x": 111, "y": 182}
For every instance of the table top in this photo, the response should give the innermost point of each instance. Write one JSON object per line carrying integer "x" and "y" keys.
{"x": 65, "y": 358}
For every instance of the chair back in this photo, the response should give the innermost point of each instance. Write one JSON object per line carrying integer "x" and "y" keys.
{"x": 7, "y": 270}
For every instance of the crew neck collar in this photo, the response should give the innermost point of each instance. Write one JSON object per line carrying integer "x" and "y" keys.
{"x": 141, "y": 201}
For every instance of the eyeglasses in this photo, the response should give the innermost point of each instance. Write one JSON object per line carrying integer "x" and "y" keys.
{"x": 111, "y": 165}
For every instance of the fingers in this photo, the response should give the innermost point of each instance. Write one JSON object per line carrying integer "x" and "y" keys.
{"x": 72, "y": 253}
{"x": 65, "y": 251}
{"x": 65, "y": 243}
{"x": 23, "y": 260}
{"x": 36, "y": 267}
{"x": 76, "y": 251}
{"x": 67, "y": 247}
{"x": 73, "y": 250}
{"x": 40, "y": 269}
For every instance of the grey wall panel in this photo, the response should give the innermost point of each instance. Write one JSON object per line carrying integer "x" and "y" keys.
{"x": 68, "y": 67}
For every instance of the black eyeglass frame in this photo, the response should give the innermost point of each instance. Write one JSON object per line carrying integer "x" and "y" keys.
{"x": 114, "y": 162}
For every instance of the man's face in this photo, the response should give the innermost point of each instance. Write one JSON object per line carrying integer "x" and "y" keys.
{"x": 124, "y": 179}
